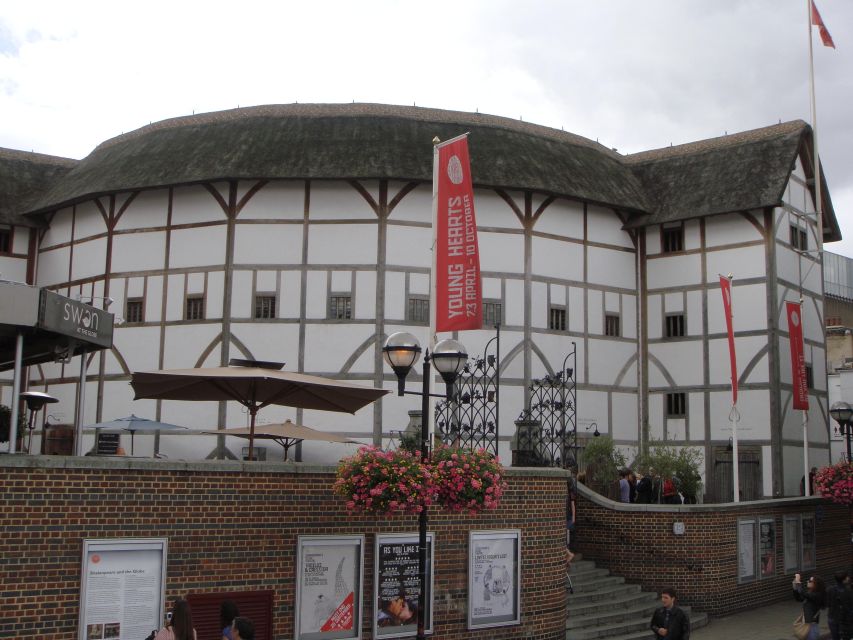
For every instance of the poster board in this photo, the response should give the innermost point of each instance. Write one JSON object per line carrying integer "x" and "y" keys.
{"x": 767, "y": 547}
{"x": 328, "y": 587}
{"x": 494, "y": 578}
{"x": 395, "y": 586}
{"x": 122, "y": 588}
{"x": 746, "y": 544}
{"x": 808, "y": 558}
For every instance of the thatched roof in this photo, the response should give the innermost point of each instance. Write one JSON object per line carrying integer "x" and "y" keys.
{"x": 24, "y": 177}
{"x": 748, "y": 170}
{"x": 372, "y": 141}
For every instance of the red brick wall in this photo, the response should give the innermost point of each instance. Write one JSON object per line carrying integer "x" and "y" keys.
{"x": 233, "y": 527}
{"x": 637, "y": 541}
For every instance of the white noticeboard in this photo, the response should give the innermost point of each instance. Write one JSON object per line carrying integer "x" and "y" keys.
{"x": 122, "y": 587}
{"x": 494, "y": 578}
{"x": 329, "y": 587}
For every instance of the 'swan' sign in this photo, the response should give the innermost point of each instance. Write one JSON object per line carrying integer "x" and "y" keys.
{"x": 75, "y": 319}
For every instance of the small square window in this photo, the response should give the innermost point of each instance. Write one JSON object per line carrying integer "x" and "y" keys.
{"x": 676, "y": 405}
{"x": 5, "y": 240}
{"x": 612, "y": 325}
{"x": 492, "y": 314}
{"x": 675, "y": 325}
{"x": 557, "y": 318}
{"x": 418, "y": 310}
{"x": 264, "y": 306}
{"x": 672, "y": 239}
{"x": 195, "y": 308}
{"x": 799, "y": 238}
{"x": 134, "y": 312}
{"x": 340, "y": 306}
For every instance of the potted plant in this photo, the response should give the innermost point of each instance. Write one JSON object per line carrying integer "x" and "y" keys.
{"x": 835, "y": 483}
{"x": 467, "y": 480}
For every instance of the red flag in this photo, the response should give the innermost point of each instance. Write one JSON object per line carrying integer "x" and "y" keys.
{"x": 798, "y": 361}
{"x": 459, "y": 300}
{"x": 817, "y": 21}
{"x": 726, "y": 288}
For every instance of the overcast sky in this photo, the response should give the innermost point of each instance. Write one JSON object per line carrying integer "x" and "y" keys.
{"x": 635, "y": 75}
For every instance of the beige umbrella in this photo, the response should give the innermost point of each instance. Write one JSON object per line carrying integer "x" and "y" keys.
{"x": 254, "y": 385}
{"x": 286, "y": 434}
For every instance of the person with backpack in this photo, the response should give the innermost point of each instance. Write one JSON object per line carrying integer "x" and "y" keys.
{"x": 834, "y": 595}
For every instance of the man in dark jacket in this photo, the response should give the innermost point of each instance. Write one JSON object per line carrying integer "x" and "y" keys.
{"x": 669, "y": 621}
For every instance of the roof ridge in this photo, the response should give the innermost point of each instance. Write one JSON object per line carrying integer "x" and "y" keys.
{"x": 37, "y": 158}
{"x": 720, "y": 142}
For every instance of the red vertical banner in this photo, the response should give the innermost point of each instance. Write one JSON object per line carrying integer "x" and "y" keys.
{"x": 798, "y": 361}
{"x": 458, "y": 291}
{"x": 726, "y": 288}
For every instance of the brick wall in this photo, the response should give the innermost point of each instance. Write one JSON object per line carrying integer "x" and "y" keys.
{"x": 233, "y": 526}
{"x": 637, "y": 541}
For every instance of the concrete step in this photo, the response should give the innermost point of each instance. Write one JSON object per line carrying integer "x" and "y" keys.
{"x": 627, "y": 600}
{"x": 618, "y": 612}
{"x": 586, "y": 574}
{"x": 604, "y": 594}
{"x": 596, "y": 583}
{"x": 697, "y": 620}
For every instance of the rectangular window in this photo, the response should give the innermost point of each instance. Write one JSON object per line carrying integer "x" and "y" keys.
{"x": 134, "y": 311}
{"x": 612, "y": 325}
{"x": 675, "y": 325}
{"x": 418, "y": 310}
{"x": 672, "y": 239}
{"x": 195, "y": 308}
{"x": 676, "y": 405}
{"x": 557, "y": 318}
{"x": 809, "y": 376}
{"x": 492, "y": 314}
{"x": 264, "y": 306}
{"x": 799, "y": 239}
{"x": 340, "y": 306}
{"x": 5, "y": 240}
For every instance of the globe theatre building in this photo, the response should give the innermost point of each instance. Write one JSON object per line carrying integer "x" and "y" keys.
{"x": 301, "y": 234}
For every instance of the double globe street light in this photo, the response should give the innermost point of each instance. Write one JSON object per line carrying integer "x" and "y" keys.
{"x": 402, "y": 351}
{"x": 842, "y": 413}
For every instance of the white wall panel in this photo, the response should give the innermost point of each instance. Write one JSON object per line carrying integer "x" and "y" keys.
{"x": 501, "y": 252}
{"x": 554, "y": 346}
{"x": 13, "y": 269}
{"x": 611, "y": 268}
{"x": 653, "y": 246}
{"x": 266, "y": 280}
{"x": 289, "y": 302}
{"x": 673, "y": 302}
{"x": 539, "y": 305}
{"x": 692, "y": 235}
{"x": 395, "y": 289}
{"x": 21, "y": 239}
{"x": 612, "y": 302}
{"x": 59, "y": 230}
{"x": 342, "y": 244}
{"x": 676, "y": 429}
{"x": 341, "y": 281}
{"x": 576, "y": 313}
{"x": 746, "y": 347}
{"x": 175, "y": 298}
{"x": 135, "y": 287}
{"x": 417, "y": 205}
{"x": 139, "y": 346}
{"x": 562, "y": 218}
{"x": 493, "y": 211}
{"x": 406, "y": 246}
{"x": 732, "y": 228}
{"x": 625, "y": 416}
{"x": 148, "y": 209}
{"x": 196, "y": 204}
{"x": 277, "y": 200}
{"x": 276, "y": 342}
{"x": 268, "y": 243}
{"x": 674, "y": 271}
{"x": 696, "y": 413}
{"x": 419, "y": 285}
{"x": 606, "y": 359}
{"x": 743, "y": 263}
{"x": 88, "y": 220}
{"x": 557, "y": 259}
{"x": 654, "y": 316}
{"x": 754, "y": 408}
{"x": 595, "y": 312}
{"x": 557, "y": 294}
{"x": 749, "y": 308}
{"x": 681, "y": 358}
{"x": 327, "y": 348}
{"x": 514, "y": 311}
{"x": 365, "y": 299}
{"x": 694, "y": 313}
{"x": 603, "y": 225}
{"x": 89, "y": 260}
{"x": 215, "y": 294}
{"x": 629, "y": 317}
{"x": 198, "y": 246}
{"x": 138, "y": 251}
{"x": 317, "y": 301}
{"x": 242, "y": 300}
{"x": 184, "y": 345}
{"x": 340, "y": 201}
{"x": 592, "y": 407}
{"x": 154, "y": 299}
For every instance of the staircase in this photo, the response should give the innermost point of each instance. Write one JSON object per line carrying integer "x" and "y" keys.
{"x": 605, "y": 606}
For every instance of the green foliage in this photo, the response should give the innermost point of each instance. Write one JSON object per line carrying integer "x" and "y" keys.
{"x": 410, "y": 440}
{"x": 6, "y": 421}
{"x": 667, "y": 461}
{"x": 603, "y": 462}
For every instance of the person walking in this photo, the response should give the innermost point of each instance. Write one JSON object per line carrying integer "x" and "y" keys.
{"x": 669, "y": 620}
{"x": 644, "y": 488}
{"x": 834, "y": 602}
{"x": 813, "y": 599}
{"x": 624, "y": 486}
{"x": 180, "y": 625}
{"x": 242, "y": 629}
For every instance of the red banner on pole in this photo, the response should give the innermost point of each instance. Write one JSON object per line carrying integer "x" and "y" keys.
{"x": 817, "y": 21}
{"x": 798, "y": 360}
{"x": 459, "y": 301}
{"x": 726, "y": 288}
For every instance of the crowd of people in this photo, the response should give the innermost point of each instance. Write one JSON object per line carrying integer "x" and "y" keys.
{"x": 179, "y": 623}
{"x": 816, "y": 596}
{"x": 651, "y": 488}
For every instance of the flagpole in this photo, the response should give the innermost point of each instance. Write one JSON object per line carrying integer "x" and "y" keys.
{"x": 736, "y": 414}
{"x": 433, "y": 284}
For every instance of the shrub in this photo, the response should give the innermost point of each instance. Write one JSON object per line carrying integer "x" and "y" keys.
{"x": 682, "y": 462}
{"x": 602, "y": 461}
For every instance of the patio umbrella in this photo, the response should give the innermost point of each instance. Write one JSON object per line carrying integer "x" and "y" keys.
{"x": 254, "y": 387}
{"x": 286, "y": 434}
{"x": 133, "y": 423}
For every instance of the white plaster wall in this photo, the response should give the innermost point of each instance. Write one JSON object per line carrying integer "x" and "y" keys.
{"x": 693, "y": 313}
{"x": 88, "y": 220}
{"x": 419, "y": 283}
{"x": 139, "y": 346}
{"x": 798, "y": 196}
{"x": 340, "y": 201}
{"x": 629, "y": 316}
{"x": 557, "y": 259}
{"x": 365, "y": 301}
{"x": 242, "y": 298}
{"x": 276, "y": 200}
{"x": 603, "y": 225}
{"x": 696, "y": 416}
{"x": 576, "y": 312}
{"x": 268, "y": 243}
{"x": 754, "y": 408}
{"x": 746, "y": 348}
{"x": 682, "y": 359}
{"x": 562, "y": 218}
{"x": 196, "y": 204}
{"x": 175, "y": 297}
{"x": 653, "y": 246}
{"x": 592, "y": 407}
{"x": 154, "y": 299}
{"x": 395, "y": 300}
{"x": 501, "y": 252}
{"x": 595, "y": 312}
{"x": 733, "y": 228}
{"x": 538, "y": 305}
{"x": 692, "y": 235}
{"x": 316, "y": 295}
{"x": 555, "y": 348}
{"x": 14, "y": 269}
{"x": 606, "y": 359}
{"x": 184, "y": 344}
{"x": 789, "y": 269}
{"x": 327, "y": 348}
{"x": 416, "y": 206}
{"x": 654, "y": 316}
{"x": 742, "y": 263}
{"x": 269, "y": 341}
{"x": 512, "y": 359}
{"x": 341, "y": 281}
{"x": 90, "y": 258}
{"x": 149, "y": 209}
{"x": 625, "y": 420}
{"x": 611, "y": 268}
{"x": 216, "y": 295}
{"x": 673, "y": 270}
{"x": 407, "y": 246}
{"x": 675, "y": 429}
{"x": 198, "y": 246}
{"x": 493, "y": 212}
{"x": 342, "y": 244}
{"x": 59, "y": 230}
{"x": 20, "y": 240}
{"x": 749, "y": 308}
{"x": 138, "y": 251}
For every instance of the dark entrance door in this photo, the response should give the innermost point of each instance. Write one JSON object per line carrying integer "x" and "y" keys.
{"x": 749, "y": 472}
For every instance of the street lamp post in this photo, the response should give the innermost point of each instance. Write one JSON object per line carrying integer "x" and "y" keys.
{"x": 842, "y": 413}
{"x": 401, "y": 352}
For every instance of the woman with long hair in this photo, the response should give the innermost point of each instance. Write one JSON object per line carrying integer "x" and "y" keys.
{"x": 180, "y": 626}
{"x": 227, "y": 612}
{"x": 813, "y": 599}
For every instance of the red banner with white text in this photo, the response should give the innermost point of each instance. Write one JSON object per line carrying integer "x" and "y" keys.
{"x": 726, "y": 288}
{"x": 798, "y": 360}
{"x": 459, "y": 301}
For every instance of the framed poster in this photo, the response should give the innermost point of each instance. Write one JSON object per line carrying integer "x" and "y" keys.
{"x": 746, "y": 543}
{"x": 122, "y": 588}
{"x": 808, "y": 542}
{"x": 396, "y": 591}
{"x": 328, "y": 587}
{"x": 494, "y": 578}
{"x": 791, "y": 540}
{"x": 767, "y": 547}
